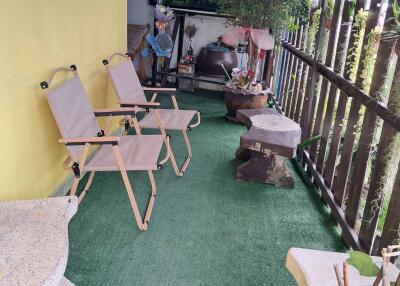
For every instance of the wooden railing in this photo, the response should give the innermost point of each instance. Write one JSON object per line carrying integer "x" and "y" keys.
{"x": 338, "y": 91}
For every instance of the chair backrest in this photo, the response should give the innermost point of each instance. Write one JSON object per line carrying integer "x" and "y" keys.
{"x": 72, "y": 112}
{"x": 126, "y": 82}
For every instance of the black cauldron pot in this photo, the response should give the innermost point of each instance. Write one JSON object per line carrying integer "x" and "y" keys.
{"x": 209, "y": 62}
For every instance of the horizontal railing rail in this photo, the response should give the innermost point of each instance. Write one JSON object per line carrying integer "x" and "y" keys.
{"x": 338, "y": 76}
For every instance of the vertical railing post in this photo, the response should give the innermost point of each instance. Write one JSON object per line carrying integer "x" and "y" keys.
{"x": 375, "y": 16}
{"x": 287, "y": 58}
{"x": 330, "y": 168}
{"x": 369, "y": 124}
{"x": 375, "y": 197}
{"x": 293, "y": 64}
{"x": 298, "y": 72}
{"x": 329, "y": 61}
{"x": 391, "y": 228}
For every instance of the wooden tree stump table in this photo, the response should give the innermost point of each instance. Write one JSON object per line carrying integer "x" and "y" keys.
{"x": 271, "y": 137}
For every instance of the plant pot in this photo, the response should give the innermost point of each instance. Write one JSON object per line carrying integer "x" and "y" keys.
{"x": 209, "y": 62}
{"x": 236, "y": 99}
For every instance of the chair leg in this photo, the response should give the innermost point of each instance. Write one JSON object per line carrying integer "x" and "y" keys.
{"x": 181, "y": 171}
{"x": 82, "y": 160}
{"x": 74, "y": 186}
{"x": 141, "y": 225}
{"x": 152, "y": 196}
{"x": 87, "y": 186}
{"x": 197, "y": 122}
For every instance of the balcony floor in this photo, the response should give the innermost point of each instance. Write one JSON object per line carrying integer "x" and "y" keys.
{"x": 206, "y": 227}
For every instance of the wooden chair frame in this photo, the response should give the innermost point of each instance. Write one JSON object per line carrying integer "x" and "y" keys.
{"x": 111, "y": 140}
{"x": 152, "y": 104}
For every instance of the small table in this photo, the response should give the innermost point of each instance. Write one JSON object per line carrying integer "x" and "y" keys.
{"x": 34, "y": 241}
{"x": 271, "y": 137}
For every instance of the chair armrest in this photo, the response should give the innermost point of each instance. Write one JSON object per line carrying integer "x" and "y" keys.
{"x": 91, "y": 140}
{"x": 139, "y": 104}
{"x": 160, "y": 89}
{"x": 115, "y": 111}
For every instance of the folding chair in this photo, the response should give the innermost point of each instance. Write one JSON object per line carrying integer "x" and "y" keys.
{"x": 78, "y": 126}
{"x": 130, "y": 93}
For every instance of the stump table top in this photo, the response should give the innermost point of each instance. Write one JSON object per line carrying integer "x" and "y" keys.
{"x": 34, "y": 240}
{"x": 269, "y": 132}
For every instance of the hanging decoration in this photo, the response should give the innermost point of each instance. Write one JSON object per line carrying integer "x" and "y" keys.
{"x": 162, "y": 44}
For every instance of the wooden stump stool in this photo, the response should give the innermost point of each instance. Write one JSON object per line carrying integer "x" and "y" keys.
{"x": 271, "y": 137}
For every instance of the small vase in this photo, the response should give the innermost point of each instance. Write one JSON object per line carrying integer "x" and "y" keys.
{"x": 190, "y": 48}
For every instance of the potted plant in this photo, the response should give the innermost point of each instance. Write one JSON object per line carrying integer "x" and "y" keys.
{"x": 255, "y": 16}
{"x": 242, "y": 92}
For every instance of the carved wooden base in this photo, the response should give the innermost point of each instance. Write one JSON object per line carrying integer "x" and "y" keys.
{"x": 263, "y": 168}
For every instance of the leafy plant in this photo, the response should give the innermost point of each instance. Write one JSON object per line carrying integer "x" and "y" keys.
{"x": 394, "y": 33}
{"x": 312, "y": 31}
{"x": 363, "y": 263}
{"x": 261, "y": 14}
{"x": 354, "y": 52}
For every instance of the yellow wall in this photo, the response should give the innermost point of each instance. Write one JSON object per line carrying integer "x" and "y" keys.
{"x": 35, "y": 37}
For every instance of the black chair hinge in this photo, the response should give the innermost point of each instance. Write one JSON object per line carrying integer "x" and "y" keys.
{"x": 127, "y": 125}
{"x": 44, "y": 85}
{"x": 76, "y": 170}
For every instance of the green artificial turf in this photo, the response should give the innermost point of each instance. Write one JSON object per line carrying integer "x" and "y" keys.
{"x": 206, "y": 227}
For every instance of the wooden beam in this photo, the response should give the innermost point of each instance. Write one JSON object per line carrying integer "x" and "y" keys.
{"x": 391, "y": 228}
{"x": 286, "y": 59}
{"x": 349, "y": 89}
{"x": 348, "y": 233}
{"x": 329, "y": 61}
{"x": 375, "y": 198}
{"x": 376, "y": 15}
{"x": 294, "y": 59}
{"x": 298, "y": 76}
{"x": 336, "y": 137}
{"x": 338, "y": 67}
{"x": 369, "y": 124}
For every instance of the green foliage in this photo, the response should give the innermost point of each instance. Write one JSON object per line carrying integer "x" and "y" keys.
{"x": 354, "y": 52}
{"x": 352, "y": 7}
{"x": 309, "y": 40}
{"x": 363, "y": 263}
{"x": 329, "y": 9}
{"x": 312, "y": 31}
{"x": 261, "y": 14}
{"x": 394, "y": 33}
{"x": 391, "y": 159}
{"x": 371, "y": 50}
{"x": 396, "y": 10}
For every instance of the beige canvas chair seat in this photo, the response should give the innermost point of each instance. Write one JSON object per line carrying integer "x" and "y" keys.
{"x": 137, "y": 152}
{"x": 172, "y": 119}
{"x": 79, "y": 129}
{"x": 130, "y": 93}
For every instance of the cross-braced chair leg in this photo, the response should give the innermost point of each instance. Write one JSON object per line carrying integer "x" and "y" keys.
{"x": 87, "y": 186}
{"x": 141, "y": 225}
{"x": 180, "y": 171}
{"x": 77, "y": 178}
{"x": 152, "y": 197}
